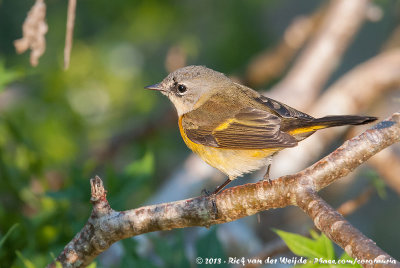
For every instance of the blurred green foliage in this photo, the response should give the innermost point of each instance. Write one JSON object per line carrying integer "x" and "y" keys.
{"x": 6, "y": 76}
{"x": 55, "y": 124}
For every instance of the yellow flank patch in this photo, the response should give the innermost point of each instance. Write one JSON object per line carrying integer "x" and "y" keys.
{"x": 193, "y": 146}
{"x": 305, "y": 130}
{"x": 233, "y": 162}
{"x": 260, "y": 153}
{"x": 225, "y": 124}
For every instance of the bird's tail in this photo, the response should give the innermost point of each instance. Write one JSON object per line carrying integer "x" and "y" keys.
{"x": 307, "y": 127}
{"x": 342, "y": 120}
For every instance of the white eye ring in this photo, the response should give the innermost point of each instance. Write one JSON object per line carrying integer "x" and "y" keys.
{"x": 181, "y": 89}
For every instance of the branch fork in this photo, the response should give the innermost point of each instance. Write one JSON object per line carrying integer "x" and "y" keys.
{"x": 106, "y": 226}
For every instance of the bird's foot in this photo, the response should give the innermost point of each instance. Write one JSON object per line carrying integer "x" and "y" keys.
{"x": 205, "y": 193}
{"x": 211, "y": 196}
{"x": 266, "y": 175}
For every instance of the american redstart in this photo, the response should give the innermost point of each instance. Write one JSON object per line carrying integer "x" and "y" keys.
{"x": 232, "y": 127}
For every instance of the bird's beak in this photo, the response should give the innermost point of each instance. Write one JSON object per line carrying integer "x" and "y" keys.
{"x": 155, "y": 87}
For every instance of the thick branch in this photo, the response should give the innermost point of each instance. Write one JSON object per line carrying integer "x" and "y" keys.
{"x": 342, "y": 232}
{"x": 353, "y": 151}
{"x": 278, "y": 246}
{"x": 107, "y": 226}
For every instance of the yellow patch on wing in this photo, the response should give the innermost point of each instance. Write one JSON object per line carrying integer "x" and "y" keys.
{"x": 225, "y": 124}
{"x": 230, "y": 121}
{"x": 233, "y": 162}
{"x": 305, "y": 130}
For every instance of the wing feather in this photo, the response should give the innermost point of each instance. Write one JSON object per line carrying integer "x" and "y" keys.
{"x": 250, "y": 128}
{"x": 282, "y": 109}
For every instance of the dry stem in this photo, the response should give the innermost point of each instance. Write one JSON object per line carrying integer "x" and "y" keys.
{"x": 69, "y": 33}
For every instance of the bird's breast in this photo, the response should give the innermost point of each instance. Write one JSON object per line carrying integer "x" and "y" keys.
{"x": 232, "y": 162}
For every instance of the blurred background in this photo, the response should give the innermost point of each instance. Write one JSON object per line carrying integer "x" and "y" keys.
{"x": 60, "y": 128}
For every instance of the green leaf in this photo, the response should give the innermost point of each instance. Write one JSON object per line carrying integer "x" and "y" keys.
{"x": 314, "y": 234}
{"x": 300, "y": 245}
{"x": 320, "y": 247}
{"x": 325, "y": 243}
{"x": 8, "y": 234}
{"x": 27, "y": 263}
{"x": 92, "y": 265}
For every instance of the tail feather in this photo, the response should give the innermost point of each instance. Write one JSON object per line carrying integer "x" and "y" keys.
{"x": 305, "y": 128}
{"x": 341, "y": 120}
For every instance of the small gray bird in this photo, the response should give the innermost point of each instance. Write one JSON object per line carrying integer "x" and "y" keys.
{"x": 232, "y": 127}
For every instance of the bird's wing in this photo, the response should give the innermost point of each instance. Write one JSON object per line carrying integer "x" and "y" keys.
{"x": 283, "y": 110}
{"x": 249, "y": 128}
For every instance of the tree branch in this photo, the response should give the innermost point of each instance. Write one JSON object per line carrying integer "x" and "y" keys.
{"x": 342, "y": 232}
{"x": 106, "y": 226}
{"x": 278, "y": 246}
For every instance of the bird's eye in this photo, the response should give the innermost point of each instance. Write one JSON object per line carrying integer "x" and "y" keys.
{"x": 182, "y": 89}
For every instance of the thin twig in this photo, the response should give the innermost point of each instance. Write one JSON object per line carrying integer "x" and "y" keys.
{"x": 69, "y": 32}
{"x": 352, "y": 205}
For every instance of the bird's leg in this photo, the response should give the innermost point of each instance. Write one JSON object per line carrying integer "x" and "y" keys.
{"x": 205, "y": 193}
{"x": 213, "y": 194}
{"x": 219, "y": 188}
{"x": 266, "y": 175}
